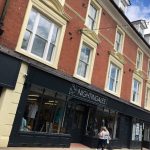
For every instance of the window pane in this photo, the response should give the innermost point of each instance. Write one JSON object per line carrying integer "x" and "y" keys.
{"x": 136, "y": 86}
{"x": 82, "y": 67}
{"x": 90, "y": 23}
{"x": 54, "y": 35}
{"x": 31, "y": 21}
{"x": 50, "y": 52}
{"x": 26, "y": 40}
{"x": 84, "y": 60}
{"x": 85, "y": 53}
{"x": 38, "y": 46}
{"x": 113, "y": 78}
{"x": 118, "y": 41}
{"x": 92, "y": 12}
{"x": 43, "y": 27}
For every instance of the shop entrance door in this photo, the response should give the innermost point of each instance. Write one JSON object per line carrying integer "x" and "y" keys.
{"x": 125, "y": 131}
{"x": 75, "y": 121}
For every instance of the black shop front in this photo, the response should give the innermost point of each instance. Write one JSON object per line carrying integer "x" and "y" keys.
{"x": 55, "y": 110}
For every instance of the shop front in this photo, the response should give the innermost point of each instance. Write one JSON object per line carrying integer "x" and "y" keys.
{"x": 55, "y": 112}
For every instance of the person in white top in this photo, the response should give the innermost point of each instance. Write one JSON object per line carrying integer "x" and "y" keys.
{"x": 104, "y": 138}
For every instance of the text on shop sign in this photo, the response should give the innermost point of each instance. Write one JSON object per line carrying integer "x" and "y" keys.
{"x": 77, "y": 91}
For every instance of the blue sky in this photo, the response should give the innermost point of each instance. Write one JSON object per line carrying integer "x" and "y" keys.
{"x": 139, "y": 9}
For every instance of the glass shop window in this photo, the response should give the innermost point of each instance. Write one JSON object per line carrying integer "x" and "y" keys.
{"x": 137, "y": 128}
{"x": 43, "y": 111}
{"x": 147, "y": 133}
{"x": 103, "y": 117}
{"x": 74, "y": 118}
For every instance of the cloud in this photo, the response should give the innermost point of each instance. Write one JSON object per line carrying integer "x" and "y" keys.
{"x": 136, "y": 12}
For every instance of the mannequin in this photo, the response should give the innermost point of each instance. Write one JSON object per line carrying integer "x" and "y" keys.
{"x": 33, "y": 108}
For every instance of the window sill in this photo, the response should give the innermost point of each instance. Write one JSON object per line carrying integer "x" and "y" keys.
{"x": 135, "y": 103}
{"x": 36, "y": 58}
{"x": 113, "y": 93}
{"x": 81, "y": 78}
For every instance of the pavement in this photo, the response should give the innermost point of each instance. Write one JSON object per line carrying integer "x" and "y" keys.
{"x": 74, "y": 146}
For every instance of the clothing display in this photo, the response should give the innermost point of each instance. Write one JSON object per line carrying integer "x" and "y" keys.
{"x": 23, "y": 126}
{"x": 33, "y": 108}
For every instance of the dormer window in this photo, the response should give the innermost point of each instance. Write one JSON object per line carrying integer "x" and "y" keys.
{"x": 123, "y": 4}
{"x": 140, "y": 26}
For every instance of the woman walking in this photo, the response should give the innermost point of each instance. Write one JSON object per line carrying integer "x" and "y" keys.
{"x": 104, "y": 138}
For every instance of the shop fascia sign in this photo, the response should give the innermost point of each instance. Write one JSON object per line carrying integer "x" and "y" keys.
{"x": 77, "y": 91}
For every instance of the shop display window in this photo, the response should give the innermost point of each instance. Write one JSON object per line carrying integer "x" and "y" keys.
{"x": 44, "y": 111}
{"x": 137, "y": 128}
{"x": 147, "y": 133}
{"x": 99, "y": 118}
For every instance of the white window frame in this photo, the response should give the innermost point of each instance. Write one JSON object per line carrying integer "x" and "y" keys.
{"x": 139, "y": 60}
{"x": 98, "y": 15}
{"x": 48, "y": 40}
{"x": 62, "y": 2}
{"x": 147, "y": 97}
{"x": 85, "y": 40}
{"x": 121, "y": 42}
{"x": 140, "y": 80}
{"x": 50, "y": 15}
{"x": 148, "y": 70}
{"x": 115, "y": 62}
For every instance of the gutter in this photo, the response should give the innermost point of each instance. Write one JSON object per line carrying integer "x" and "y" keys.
{"x": 3, "y": 14}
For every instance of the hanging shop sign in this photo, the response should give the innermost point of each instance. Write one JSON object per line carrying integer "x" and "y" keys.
{"x": 77, "y": 91}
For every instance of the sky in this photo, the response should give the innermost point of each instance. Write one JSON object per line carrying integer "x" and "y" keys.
{"x": 139, "y": 9}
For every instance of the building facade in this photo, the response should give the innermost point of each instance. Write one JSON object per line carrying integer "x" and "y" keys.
{"x": 69, "y": 68}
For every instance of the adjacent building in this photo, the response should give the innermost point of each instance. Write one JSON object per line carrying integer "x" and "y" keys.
{"x": 67, "y": 69}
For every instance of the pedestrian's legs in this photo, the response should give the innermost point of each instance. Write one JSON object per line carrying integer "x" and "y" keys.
{"x": 99, "y": 143}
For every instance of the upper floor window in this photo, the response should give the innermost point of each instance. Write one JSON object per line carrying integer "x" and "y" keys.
{"x": 119, "y": 41}
{"x": 135, "y": 90}
{"x": 42, "y": 31}
{"x": 83, "y": 65}
{"x": 113, "y": 80}
{"x": 139, "y": 60}
{"x": 93, "y": 16}
{"x": 85, "y": 59}
{"x": 123, "y": 4}
{"x": 40, "y": 36}
{"x": 114, "y": 76}
{"x": 147, "y": 98}
{"x": 148, "y": 70}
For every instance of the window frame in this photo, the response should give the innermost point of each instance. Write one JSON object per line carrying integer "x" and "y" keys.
{"x": 62, "y": 2}
{"x": 139, "y": 64}
{"x": 148, "y": 70}
{"x": 51, "y": 15}
{"x": 114, "y": 61}
{"x": 147, "y": 97}
{"x": 97, "y": 18}
{"x": 85, "y": 40}
{"x": 140, "y": 80}
{"x": 121, "y": 45}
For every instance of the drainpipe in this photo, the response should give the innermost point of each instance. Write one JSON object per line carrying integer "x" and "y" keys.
{"x": 3, "y": 15}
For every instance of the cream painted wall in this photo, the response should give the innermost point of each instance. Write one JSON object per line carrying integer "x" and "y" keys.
{"x": 8, "y": 105}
